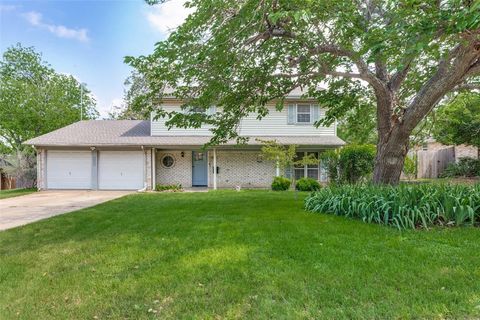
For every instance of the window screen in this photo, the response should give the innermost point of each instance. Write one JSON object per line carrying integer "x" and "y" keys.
{"x": 303, "y": 114}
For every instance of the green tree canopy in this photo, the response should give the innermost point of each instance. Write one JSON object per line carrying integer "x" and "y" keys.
{"x": 134, "y": 87}
{"x": 238, "y": 55}
{"x": 34, "y": 99}
{"x": 458, "y": 121}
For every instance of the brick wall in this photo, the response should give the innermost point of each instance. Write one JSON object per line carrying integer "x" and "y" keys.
{"x": 462, "y": 151}
{"x": 180, "y": 173}
{"x": 148, "y": 168}
{"x": 241, "y": 168}
{"x": 41, "y": 167}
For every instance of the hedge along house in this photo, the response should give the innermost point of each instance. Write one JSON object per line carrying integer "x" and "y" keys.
{"x": 134, "y": 155}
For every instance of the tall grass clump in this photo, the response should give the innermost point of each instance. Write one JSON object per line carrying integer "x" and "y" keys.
{"x": 404, "y": 206}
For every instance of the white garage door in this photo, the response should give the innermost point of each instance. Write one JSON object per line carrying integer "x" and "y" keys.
{"x": 69, "y": 169}
{"x": 121, "y": 170}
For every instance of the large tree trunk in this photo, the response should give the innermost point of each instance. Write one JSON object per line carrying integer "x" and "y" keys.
{"x": 392, "y": 149}
{"x": 393, "y": 140}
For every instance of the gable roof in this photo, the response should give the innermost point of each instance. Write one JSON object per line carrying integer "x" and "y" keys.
{"x": 96, "y": 133}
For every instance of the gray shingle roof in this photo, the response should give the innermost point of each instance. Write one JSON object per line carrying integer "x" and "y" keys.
{"x": 137, "y": 133}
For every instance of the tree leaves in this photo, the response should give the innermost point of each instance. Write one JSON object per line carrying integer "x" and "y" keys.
{"x": 458, "y": 122}
{"x": 239, "y": 55}
{"x": 34, "y": 99}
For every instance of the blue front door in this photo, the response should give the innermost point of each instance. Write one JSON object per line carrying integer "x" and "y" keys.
{"x": 199, "y": 169}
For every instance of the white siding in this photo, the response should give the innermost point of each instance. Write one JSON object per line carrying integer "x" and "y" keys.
{"x": 159, "y": 128}
{"x": 274, "y": 124}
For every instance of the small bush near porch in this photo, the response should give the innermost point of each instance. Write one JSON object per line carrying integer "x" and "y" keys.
{"x": 233, "y": 255}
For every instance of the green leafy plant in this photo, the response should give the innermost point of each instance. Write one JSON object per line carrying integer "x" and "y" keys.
{"x": 356, "y": 162}
{"x": 330, "y": 160}
{"x": 465, "y": 167}
{"x": 458, "y": 121}
{"x": 285, "y": 156}
{"x": 307, "y": 184}
{"x": 351, "y": 164}
{"x": 170, "y": 187}
{"x": 281, "y": 184}
{"x": 404, "y": 207}
{"x": 410, "y": 167}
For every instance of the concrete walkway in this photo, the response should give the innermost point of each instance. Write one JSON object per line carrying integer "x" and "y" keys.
{"x": 25, "y": 209}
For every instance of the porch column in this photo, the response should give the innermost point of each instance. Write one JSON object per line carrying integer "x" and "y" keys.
{"x": 277, "y": 169}
{"x": 214, "y": 169}
{"x": 94, "y": 168}
{"x": 154, "y": 170}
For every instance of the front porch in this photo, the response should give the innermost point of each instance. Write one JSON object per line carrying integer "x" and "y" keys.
{"x": 222, "y": 168}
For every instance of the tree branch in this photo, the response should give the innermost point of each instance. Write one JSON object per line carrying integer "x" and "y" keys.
{"x": 474, "y": 69}
{"x": 381, "y": 70}
{"x": 399, "y": 76}
{"x": 270, "y": 33}
{"x": 467, "y": 87}
{"x": 451, "y": 72}
{"x": 320, "y": 73}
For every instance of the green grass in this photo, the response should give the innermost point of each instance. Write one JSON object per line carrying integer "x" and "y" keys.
{"x": 227, "y": 255}
{"x": 15, "y": 192}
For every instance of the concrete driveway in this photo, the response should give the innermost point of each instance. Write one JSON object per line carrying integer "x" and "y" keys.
{"x": 22, "y": 210}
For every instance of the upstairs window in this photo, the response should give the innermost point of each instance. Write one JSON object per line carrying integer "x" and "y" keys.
{"x": 303, "y": 113}
{"x": 196, "y": 110}
{"x": 199, "y": 110}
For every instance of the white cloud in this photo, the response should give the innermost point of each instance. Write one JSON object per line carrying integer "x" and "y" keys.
{"x": 117, "y": 102}
{"x": 168, "y": 16}
{"x": 36, "y": 20}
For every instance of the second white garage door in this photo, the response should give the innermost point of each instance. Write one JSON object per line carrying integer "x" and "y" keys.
{"x": 120, "y": 170}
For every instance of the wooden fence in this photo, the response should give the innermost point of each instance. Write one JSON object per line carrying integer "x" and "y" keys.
{"x": 430, "y": 164}
{"x": 6, "y": 183}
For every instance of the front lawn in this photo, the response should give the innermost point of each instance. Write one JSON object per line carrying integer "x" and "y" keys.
{"x": 226, "y": 254}
{"x": 15, "y": 192}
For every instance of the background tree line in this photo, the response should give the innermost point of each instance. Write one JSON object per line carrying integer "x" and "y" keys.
{"x": 34, "y": 100}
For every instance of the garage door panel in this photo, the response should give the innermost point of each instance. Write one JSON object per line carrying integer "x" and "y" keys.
{"x": 120, "y": 170}
{"x": 69, "y": 169}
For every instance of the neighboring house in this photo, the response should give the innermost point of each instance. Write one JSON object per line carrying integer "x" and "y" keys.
{"x": 460, "y": 151}
{"x": 130, "y": 154}
{"x": 433, "y": 157}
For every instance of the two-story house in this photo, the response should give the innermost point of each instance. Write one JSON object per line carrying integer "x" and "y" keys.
{"x": 132, "y": 155}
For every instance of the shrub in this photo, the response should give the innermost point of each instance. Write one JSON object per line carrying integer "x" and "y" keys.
{"x": 329, "y": 161}
{"x": 410, "y": 167}
{"x": 356, "y": 162}
{"x": 281, "y": 184}
{"x": 170, "y": 187}
{"x": 404, "y": 207}
{"x": 465, "y": 167}
{"x": 307, "y": 184}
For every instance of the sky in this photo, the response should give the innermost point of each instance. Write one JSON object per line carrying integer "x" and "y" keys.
{"x": 89, "y": 39}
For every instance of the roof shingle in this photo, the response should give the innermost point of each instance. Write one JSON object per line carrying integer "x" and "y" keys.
{"x": 137, "y": 133}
